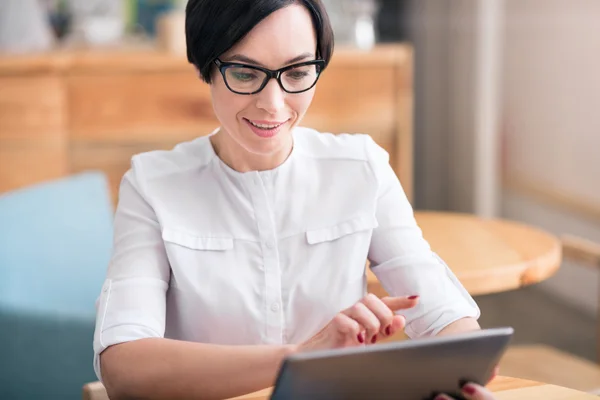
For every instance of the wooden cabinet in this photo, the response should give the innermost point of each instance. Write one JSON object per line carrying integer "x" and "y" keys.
{"x": 33, "y": 135}
{"x": 66, "y": 112}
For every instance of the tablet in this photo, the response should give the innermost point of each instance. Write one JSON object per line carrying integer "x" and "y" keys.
{"x": 415, "y": 369}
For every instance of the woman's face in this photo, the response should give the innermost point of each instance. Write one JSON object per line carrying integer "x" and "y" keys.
{"x": 285, "y": 37}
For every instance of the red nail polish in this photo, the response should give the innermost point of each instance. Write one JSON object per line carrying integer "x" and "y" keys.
{"x": 374, "y": 340}
{"x": 388, "y": 331}
{"x": 360, "y": 338}
{"x": 413, "y": 297}
{"x": 468, "y": 389}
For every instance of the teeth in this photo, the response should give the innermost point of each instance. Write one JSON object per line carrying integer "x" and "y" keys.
{"x": 264, "y": 126}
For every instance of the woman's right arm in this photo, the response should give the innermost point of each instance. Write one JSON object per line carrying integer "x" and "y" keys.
{"x": 132, "y": 357}
{"x": 170, "y": 369}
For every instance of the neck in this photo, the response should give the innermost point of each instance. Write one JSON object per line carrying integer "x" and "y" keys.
{"x": 241, "y": 160}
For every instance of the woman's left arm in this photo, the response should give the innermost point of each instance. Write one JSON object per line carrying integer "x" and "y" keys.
{"x": 462, "y": 325}
{"x": 405, "y": 265}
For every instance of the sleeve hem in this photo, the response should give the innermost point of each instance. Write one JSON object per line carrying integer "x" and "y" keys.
{"x": 472, "y": 313}
{"x": 120, "y": 334}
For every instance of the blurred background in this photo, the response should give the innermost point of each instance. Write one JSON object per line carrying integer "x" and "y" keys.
{"x": 487, "y": 107}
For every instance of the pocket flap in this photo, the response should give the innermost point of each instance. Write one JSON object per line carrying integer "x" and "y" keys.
{"x": 197, "y": 242}
{"x": 361, "y": 223}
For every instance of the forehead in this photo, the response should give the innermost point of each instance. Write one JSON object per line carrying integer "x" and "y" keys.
{"x": 281, "y": 36}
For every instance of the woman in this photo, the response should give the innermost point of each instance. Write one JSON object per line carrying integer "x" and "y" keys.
{"x": 241, "y": 247}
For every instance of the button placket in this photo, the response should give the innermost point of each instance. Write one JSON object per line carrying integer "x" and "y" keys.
{"x": 271, "y": 269}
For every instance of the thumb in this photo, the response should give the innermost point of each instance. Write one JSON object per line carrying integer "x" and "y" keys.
{"x": 400, "y": 303}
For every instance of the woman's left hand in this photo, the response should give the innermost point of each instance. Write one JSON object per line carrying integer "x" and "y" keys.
{"x": 495, "y": 373}
{"x": 471, "y": 391}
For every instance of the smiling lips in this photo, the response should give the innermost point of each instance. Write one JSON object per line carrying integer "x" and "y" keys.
{"x": 265, "y": 129}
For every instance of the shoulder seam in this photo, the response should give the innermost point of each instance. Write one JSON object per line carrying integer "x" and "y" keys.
{"x": 369, "y": 158}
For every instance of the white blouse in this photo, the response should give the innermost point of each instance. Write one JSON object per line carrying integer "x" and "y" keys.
{"x": 207, "y": 254}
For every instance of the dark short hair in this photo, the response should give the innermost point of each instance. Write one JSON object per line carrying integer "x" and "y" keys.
{"x": 212, "y": 27}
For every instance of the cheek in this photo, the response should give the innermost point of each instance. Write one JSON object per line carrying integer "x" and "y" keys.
{"x": 226, "y": 105}
{"x": 302, "y": 102}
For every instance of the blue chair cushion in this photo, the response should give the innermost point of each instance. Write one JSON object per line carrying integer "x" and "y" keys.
{"x": 55, "y": 245}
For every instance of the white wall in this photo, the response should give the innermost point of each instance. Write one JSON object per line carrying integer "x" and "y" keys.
{"x": 551, "y": 123}
{"x": 549, "y": 114}
{"x": 457, "y": 45}
{"x": 575, "y": 284}
{"x": 429, "y": 30}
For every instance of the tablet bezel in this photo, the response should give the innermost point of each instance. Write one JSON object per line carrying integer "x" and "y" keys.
{"x": 450, "y": 350}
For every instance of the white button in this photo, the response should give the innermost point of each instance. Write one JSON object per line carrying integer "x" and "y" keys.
{"x": 105, "y": 289}
{"x": 275, "y": 307}
{"x": 270, "y": 245}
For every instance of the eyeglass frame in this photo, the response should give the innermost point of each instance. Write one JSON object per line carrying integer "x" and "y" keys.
{"x": 271, "y": 74}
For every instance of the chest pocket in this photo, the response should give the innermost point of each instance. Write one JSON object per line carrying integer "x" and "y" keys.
{"x": 197, "y": 242}
{"x": 197, "y": 259}
{"x": 362, "y": 223}
{"x": 341, "y": 250}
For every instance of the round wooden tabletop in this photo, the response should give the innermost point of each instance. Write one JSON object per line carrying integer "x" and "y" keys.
{"x": 504, "y": 388}
{"x": 488, "y": 255}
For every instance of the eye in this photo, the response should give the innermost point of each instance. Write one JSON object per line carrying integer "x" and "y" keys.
{"x": 297, "y": 75}
{"x": 242, "y": 76}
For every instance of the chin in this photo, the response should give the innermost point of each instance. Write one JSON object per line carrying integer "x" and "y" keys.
{"x": 267, "y": 147}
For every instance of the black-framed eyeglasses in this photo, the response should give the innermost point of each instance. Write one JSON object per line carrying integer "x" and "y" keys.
{"x": 249, "y": 79}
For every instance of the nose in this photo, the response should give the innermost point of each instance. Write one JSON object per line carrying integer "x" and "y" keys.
{"x": 271, "y": 98}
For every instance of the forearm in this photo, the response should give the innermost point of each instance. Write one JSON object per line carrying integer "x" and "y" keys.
{"x": 462, "y": 325}
{"x": 169, "y": 369}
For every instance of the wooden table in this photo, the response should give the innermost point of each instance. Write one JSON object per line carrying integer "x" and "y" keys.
{"x": 486, "y": 255}
{"x": 505, "y": 389}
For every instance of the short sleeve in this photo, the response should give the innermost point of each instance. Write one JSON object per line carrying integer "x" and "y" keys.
{"x": 404, "y": 263}
{"x": 132, "y": 303}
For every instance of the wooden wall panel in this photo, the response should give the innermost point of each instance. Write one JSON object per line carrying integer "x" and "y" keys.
{"x": 403, "y": 161}
{"x": 355, "y": 100}
{"x": 114, "y": 159}
{"x": 24, "y": 164}
{"x": 139, "y": 107}
{"x": 33, "y": 139}
{"x": 31, "y": 108}
{"x": 63, "y": 113}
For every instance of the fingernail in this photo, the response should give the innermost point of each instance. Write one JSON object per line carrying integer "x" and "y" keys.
{"x": 469, "y": 389}
{"x": 374, "y": 340}
{"x": 360, "y": 338}
{"x": 388, "y": 330}
{"x": 413, "y": 297}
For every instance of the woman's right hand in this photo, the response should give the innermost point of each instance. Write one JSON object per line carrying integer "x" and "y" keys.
{"x": 363, "y": 323}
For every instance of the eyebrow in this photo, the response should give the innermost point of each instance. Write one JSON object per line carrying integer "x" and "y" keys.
{"x": 242, "y": 58}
